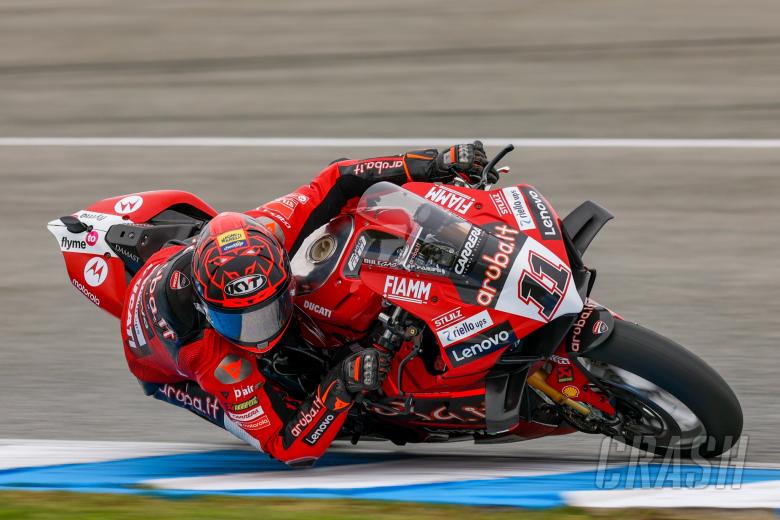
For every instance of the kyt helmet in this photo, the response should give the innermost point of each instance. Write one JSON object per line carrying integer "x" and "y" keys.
{"x": 242, "y": 281}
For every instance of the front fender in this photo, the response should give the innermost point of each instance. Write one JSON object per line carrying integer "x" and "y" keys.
{"x": 592, "y": 327}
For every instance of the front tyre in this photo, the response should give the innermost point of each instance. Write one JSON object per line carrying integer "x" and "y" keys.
{"x": 666, "y": 398}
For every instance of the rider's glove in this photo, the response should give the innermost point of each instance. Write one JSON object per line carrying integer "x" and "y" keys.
{"x": 464, "y": 160}
{"x": 360, "y": 372}
{"x": 365, "y": 370}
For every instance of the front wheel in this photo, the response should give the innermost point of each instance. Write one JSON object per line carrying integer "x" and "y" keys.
{"x": 666, "y": 398}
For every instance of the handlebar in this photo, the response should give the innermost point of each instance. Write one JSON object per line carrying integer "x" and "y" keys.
{"x": 482, "y": 184}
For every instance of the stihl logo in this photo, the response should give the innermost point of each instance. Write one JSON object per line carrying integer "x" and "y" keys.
{"x": 450, "y": 199}
{"x": 406, "y": 289}
{"x": 128, "y": 204}
{"x": 96, "y": 271}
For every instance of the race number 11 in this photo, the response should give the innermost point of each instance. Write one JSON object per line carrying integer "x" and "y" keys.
{"x": 544, "y": 285}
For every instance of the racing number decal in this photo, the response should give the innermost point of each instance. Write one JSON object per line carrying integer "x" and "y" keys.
{"x": 544, "y": 285}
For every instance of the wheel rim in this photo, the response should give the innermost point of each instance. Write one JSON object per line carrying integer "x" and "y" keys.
{"x": 648, "y": 413}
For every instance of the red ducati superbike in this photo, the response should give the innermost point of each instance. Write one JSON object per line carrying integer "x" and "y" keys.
{"x": 481, "y": 294}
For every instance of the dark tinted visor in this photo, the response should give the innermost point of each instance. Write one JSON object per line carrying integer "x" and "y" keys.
{"x": 253, "y": 328}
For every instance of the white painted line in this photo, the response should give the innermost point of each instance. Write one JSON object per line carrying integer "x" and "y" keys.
{"x": 404, "y": 472}
{"x": 753, "y": 496}
{"x": 26, "y": 453}
{"x": 357, "y": 142}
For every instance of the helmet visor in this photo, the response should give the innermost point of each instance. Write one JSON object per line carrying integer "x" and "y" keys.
{"x": 254, "y": 328}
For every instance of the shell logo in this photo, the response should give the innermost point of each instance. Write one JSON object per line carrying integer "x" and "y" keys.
{"x": 570, "y": 391}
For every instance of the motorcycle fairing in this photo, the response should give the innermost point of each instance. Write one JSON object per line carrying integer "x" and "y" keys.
{"x": 481, "y": 288}
{"x": 94, "y": 268}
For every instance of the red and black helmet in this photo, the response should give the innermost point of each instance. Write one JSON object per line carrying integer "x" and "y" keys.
{"x": 242, "y": 278}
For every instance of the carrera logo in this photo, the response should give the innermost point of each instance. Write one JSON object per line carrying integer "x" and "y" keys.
{"x": 543, "y": 216}
{"x": 451, "y": 199}
{"x": 469, "y": 250}
{"x": 248, "y": 416}
{"x": 231, "y": 240}
{"x": 319, "y": 309}
{"x": 482, "y": 345}
{"x": 464, "y": 329}
{"x": 406, "y": 289}
{"x": 245, "y": 285}
{"x": 128, "y": 204}
{"x": 519, "y": 208}
{"x": 496, "y": 263}
{"x": 447, "y": 318}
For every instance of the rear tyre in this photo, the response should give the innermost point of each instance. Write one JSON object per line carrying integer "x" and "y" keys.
{"x": 666, "y": 397}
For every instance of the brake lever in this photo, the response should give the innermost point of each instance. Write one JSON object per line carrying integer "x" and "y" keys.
{"x": 496, "y": 158}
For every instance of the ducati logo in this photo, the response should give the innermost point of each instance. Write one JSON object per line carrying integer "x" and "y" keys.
{"x": 599, "y": 328}
{"x": 129, "y": 204}
{"x": 96, "y": 271}
{"x": 245, "y": 285}
{"x": 179, "y": 281}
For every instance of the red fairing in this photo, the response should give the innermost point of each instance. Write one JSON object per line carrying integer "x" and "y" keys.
{"x": 140, "y": 207}
{"x": 93, "y": 267}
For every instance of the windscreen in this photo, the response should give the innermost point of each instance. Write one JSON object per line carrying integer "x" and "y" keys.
{"x": 423, "y": 237}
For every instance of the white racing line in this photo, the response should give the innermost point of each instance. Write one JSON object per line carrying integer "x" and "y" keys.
{"x": 380, "y": 473}
{"x": 377, "y": 142}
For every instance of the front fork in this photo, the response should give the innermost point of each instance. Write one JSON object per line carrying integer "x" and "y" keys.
{"x": 563, "y": 379}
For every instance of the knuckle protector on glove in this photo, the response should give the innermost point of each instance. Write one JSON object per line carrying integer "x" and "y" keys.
{"x": 361, "y": 371}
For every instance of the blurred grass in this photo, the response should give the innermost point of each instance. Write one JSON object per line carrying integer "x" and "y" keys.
{"x": 65, "y": 506}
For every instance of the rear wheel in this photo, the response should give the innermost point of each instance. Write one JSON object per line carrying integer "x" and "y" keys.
{"x": 666, "y": 398}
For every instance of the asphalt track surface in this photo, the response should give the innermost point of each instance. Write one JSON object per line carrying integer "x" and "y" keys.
{"x": 691, "y": 254}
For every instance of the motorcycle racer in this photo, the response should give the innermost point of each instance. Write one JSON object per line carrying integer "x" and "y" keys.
{"x": 198, "y": 315}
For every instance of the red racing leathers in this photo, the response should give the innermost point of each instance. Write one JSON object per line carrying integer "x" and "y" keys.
{"x": 181, "y": 360}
